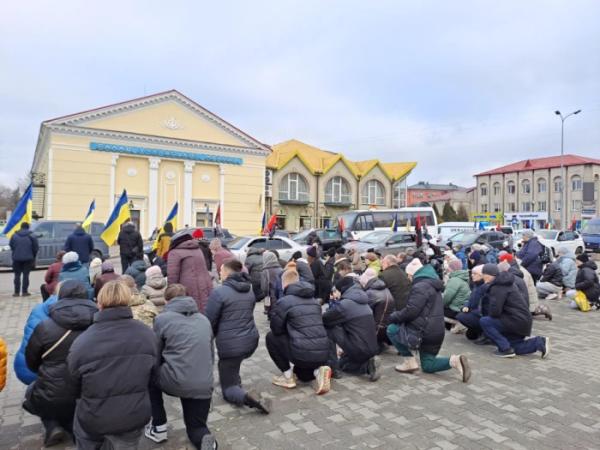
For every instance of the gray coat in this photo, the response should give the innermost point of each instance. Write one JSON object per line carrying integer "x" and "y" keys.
{"x": 569, "y": 270}
{"x": 185, "y": 344}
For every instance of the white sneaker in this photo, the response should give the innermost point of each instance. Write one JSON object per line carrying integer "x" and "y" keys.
{"x": 551, "y": 296}
{"x": 153, "y": 434}
{"x": 409, "y": 365}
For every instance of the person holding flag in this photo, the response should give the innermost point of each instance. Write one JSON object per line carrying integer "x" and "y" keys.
{"x": 89, "y": 217}
{"x": 163, "y": 242}
{"x": 129, "y": 240}
{"x": 23, "y": 244}
{"x": 395, "y": 223}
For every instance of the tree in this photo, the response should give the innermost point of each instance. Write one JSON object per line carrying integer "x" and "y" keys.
{"x": 437, "y": 214}
{"x": 448, "y": 214}
{"x": 462, "y": 215}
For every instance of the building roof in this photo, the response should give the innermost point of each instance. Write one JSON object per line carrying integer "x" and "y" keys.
{"x": 541, "y": 163}
{"x": 319, "y": 161}
{"x": 425, "y": 185}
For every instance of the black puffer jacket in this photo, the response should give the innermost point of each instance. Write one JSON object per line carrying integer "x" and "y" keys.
{"x": 298, "y": 315}
{"x": 111, "y": 365}
{"x": 254, "y": 264}
{"x": 130, "y": 242}
{"x": 230, "y": 309}
{"x": 53, "y": 393}
{"x": 381, "y": 302}
{"x": 398, "y": 283}
{"x": 322, "y": 284}
{"x": 353, "y": 314}
{"x": 587, "y": 281}
{"x": 519, "y": 280}
{"x": 424, "y": 311}
{"x": 552, "y": 274}
{"x": 508, "y": 304}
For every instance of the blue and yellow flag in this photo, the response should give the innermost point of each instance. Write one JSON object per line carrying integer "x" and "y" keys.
{"x": 22, "y": 213}
{"x": 89, "y": 217}
{"x": 119, "y": 216}
{"x": 395, "y": 223}
{"x": 263, "y": 223}
{"x": 171, "y": 218}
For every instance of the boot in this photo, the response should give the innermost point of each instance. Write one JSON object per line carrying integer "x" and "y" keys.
{"x": 372, "y": 371}
{"x": 458, "y": 328}
{"x": 409, "y": 365}
{"x": 461, "y": 363}
{"x": 543, "y": 310}
{"x": 54, "y": 435}
{"x": 253, "y": 400}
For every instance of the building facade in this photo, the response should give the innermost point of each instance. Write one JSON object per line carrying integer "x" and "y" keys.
{"x": 440, "y": 194}
{"x": 307, "y": 187}
{"x": 162, "y": 149}
{"x": 531, "y": 191}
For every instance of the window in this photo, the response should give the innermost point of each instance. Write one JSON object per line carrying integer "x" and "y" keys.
{"x": 44, "y": 230}
{"x": 400, "y": 194}
{"x": 373, "y": 193}
{"x": 62, "y": 230}
{"x": 541, "y": 185}
{"x": 526, "y": 207}
{"x": 496, "y": 188}
{"x": 576, "y": 183}
{"x": 557, "y": 205}
{"x": 510, "y": 187}
{"x": 512, "y": 207}
{"x": 364, "y": 222}
{"x": 293, "y": 187}
{"x": 483, "y": 188}
{"x": 484, "y": 207}
{"x": 541, "y": 206}
{"x": 525, "y": 187}
{"x": 338, "y": 191}
{"x": 496, "y": 207}
{"x": 277, "y": 244}
{"x": 259, "y": 243}
{"x": 576, "y": 206}
{"x": 557, "y": 184}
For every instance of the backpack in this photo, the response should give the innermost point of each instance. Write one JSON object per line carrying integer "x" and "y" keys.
{"x": 545, "y": 255}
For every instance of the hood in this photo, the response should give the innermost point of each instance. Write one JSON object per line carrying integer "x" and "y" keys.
{"x": 24, "y": 232}
{"x": 376, "y": 283}
{"x": 300, "y": 289}
{"x": 270, "y": 261}
{"x": 128, "y": 228}
{"x": 182, "y": 305}
{"x": 462, "y": 274}
{"x": 239, "y": 281}
{"x": 427, "y": 271}
{"x": 137, "y": 299}
{"x": 189, "y": 244}
{"x": 590, "y": 265}
{"x": 254, "y": 251}
{"x": 156, "y": 281}
{"x": 73, "y": 289}
{"x": 516, "y": 270}
{"x": 71, "y": 267}
{"x": 79, "y": 232}
{"x": 139, "y": 265}
{"x": 73, "y": 314}
{"x": 504, "y": 279}
{"x": 356, "y": 294}
{"x": 435, "y": 283}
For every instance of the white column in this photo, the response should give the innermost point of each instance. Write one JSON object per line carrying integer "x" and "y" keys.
{"x": 49, "y": 185}
{"x": 153, "y": 194}
{"x": 222, "y": 193}
{"x": 113, "y": 178}
{"x": 187, "y": 192}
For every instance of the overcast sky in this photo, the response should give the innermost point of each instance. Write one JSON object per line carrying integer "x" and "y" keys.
{"x": 458, "y": 86}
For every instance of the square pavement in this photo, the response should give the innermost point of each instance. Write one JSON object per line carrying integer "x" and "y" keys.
{"x": 520, "y": 403}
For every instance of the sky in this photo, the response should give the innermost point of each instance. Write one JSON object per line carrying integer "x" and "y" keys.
{"x": 459, "y": 87}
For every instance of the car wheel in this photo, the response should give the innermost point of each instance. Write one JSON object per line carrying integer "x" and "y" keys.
{"x": 579, "y": 250}
{"x": 95, "y": 254}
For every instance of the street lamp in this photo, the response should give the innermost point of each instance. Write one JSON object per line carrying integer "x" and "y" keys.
{"x": 563, "y": 196}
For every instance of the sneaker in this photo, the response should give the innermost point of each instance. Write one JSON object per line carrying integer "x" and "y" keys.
{"x": 551, "y": 296}
{"x": 25, "y": 294}
{"x": 372, "y": 371}
{"x": 509, "y": 353}
{"x": 253, "y": 400}
{"x": 208, "y": 442}
{"x": 546, "y": 348}
{"x": 16, "y": 294}
{"x": 458, "y": 328}
{"x": 465, "y": 368}
{"x": 409, "y": 365}
{"x": 323, "y": 381}
{"x": 482, "y": 340}
{"x": 153, "y": 434}
{"x": 285, "y": 382}
{"x": 54, "y": 436}
{"x": 337, "y": 374}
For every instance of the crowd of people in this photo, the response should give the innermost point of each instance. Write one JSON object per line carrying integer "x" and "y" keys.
{"x": 102, "y": 350}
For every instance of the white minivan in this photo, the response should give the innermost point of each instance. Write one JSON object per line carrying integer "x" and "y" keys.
{"x": 449, "y": 229}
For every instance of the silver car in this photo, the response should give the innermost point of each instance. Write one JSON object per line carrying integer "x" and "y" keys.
{"x": 384, "y": 242}
{"x": 284, "y": 246}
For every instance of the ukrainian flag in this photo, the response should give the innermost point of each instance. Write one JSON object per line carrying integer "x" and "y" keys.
{"x": 263, "y": 223}
{"x": 119, "y": 216}
{"x": 89, "y": 217}
{"x": 21, "y": 214}
{"x": 395, "y": 223}
{"x": 172, "y": 218}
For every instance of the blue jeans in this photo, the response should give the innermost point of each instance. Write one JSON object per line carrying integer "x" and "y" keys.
{"x": 495, "y": 330}
{"x": 430, "y": 363}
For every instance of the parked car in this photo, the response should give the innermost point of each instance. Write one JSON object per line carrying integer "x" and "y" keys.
{"x": 554, "y": 239}
{"x": 591, "y": 235}
{"x": 284, "y": 246}
{"x": 383, "y": 242}
{"x": 328, "y": 237}
{"x": 495, "y": 239}
{"x": 209, "y": 233}
{"x": 51, "y": 235}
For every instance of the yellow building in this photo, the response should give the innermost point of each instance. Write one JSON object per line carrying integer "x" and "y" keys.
{"x": 162, "y": 149}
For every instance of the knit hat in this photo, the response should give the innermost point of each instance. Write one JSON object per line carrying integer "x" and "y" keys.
{"x": 505, "y": 256}
{"x": 367, "y": 276}
{"x": 70, "y": 257}
{"x": 413, "y": 266}
{"x": 583, "y": 258}
{"x": 153, "y": 271}
{"x": 490, "y": 269}
{"x": 311, "y": 251}
{"x": 475, "y": 256}
{"x": 344, "y": 284}
{"x": 96, "y": 262}
{"x": 107, "y": 266}
{"x": 455, "y": 264}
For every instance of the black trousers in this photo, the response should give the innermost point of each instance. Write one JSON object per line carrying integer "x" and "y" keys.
{"x": 279, "y": 350}
{"x": 44, "y": 292}
{"x": 195, "y": 414}
{"x": 126, "y": 262}
{"x": 22, "y": 269}
{"x": 231, "y": 383}
{"x": 337, "y": 337}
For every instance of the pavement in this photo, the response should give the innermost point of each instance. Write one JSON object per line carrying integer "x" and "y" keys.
{"x": 521, "y": 403}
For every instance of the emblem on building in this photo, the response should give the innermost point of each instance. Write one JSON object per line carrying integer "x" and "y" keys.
{"x": 172, "y": 124}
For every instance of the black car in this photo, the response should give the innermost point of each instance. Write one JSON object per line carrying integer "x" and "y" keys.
{"x": 495, "y": 239}
{"x": 329, "y": 238}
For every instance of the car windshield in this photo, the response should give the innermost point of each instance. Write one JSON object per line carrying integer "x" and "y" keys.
{"x": 591, "y": 228}
{"x": 464, "y": 237}
{"x": 547, "y": 234}
{"x": 301, "y": 236}
{"x": 376, "y": 237}
{"x": 237, "y": 243}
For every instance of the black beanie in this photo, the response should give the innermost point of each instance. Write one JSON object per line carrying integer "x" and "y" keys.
{"x": 340, "y": 251}
{"x": 344, "y": 284}
{"x": 583, "y": 258}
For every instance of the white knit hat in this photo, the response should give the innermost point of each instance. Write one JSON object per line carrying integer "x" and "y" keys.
{"x": 413, "y": 266}
{"x": 70, "y": 257}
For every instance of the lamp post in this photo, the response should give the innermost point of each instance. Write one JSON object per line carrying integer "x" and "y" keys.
{"x": 563, "y": 193}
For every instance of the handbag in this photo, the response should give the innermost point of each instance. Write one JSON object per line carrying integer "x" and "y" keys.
{"x": 582, "y": 302}
{"x": 413, "y": 339}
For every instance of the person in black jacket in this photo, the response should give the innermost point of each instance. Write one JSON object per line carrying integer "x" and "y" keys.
{"x": 52, "y": 396}
{"x": 350, "y": 325}
{"x": 230, "y": 309}
{"x": 509, "y": 321}
{"x": 551, "y": 281}
{"x": 131, "y": 245}
{"x": 24, "y": 248}
{"x": 298, "y": 336}
{"x": 254, "y": 265}
{"x": 301, "y": 266}
{"x": 381, "y": 302}
{"x": 322, "y": 284}
{"x": 396, "y": 281}
{"x": 111, "y": 365}
{"x": 586, "y": 281}
{"x": 420, "y": 326}
{"x": 81, "y": 243}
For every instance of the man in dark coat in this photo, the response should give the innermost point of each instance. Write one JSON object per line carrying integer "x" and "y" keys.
{"x": 551, "y": 281}
{"x": 587, "y": 279}
{"x": 52, "y": 397}
{"x": 530, "y": 255}
{"x": 131, "y": 245}
{"x": 476, "y": 307}
{"x": 254, "y": 264}
{"x": 396, "y": 281}
{"x": 350, "y": 325}
{"x": 298, "y": 336}
{"x": 230, "y": 309}
{"x": 420, "y": 325}
{"x": 81, "y": 243}
{"x": 509, "y": 321}
{"x": 24, "y": 248}
{"x": 111, "y": 365}
{"x": 322, "y": 284}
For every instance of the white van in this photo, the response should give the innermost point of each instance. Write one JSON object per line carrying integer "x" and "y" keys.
{"x": 448, "y": 229}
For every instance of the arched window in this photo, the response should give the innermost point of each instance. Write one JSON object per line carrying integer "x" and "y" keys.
{"x": 373, "y": 193}
{"x": 526, "y": 187}
{"x": 557, "y": 184}
{"x": 496, "y": 188}
{"x": 576, "y": 183}
{"x": 541, "y": 185}
{"x": 510, "y": 187}
{"x": 337, "y": 190}
{"x": 293, "y": 187}
{"x": 483, "y": 189}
